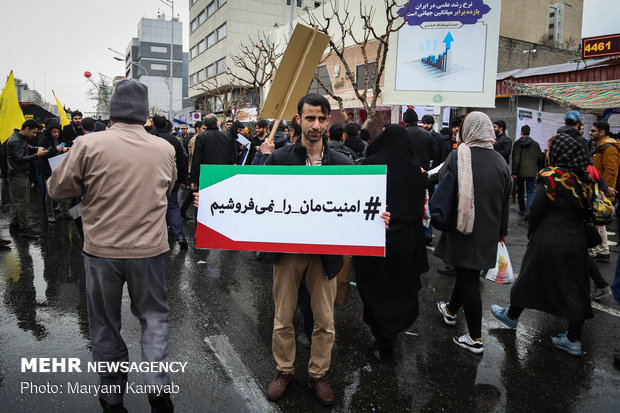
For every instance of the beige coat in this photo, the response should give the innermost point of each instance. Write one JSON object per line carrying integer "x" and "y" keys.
{"x": 126, "y": 175}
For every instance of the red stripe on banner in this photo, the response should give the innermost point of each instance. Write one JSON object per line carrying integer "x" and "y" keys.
{"x": 208, "y": 238}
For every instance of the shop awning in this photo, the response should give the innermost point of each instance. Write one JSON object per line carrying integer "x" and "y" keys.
{"x": 591, "y": 96}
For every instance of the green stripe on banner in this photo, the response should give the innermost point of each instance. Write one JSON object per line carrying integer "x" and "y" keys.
{"x": 212, "y": 174}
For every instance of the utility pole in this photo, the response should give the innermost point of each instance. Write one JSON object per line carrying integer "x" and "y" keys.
{"x": 170, "y": 3}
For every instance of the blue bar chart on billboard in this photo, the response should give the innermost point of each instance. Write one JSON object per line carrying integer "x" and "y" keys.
{"x": 446, "y": 54}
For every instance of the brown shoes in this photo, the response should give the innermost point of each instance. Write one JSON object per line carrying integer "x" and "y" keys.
{"x": 276, "y": 389}
{"x": 322, "y": 390}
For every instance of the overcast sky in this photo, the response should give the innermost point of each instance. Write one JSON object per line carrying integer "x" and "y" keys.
{"x": 49, "y": 44}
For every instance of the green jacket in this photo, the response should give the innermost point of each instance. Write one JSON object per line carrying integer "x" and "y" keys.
{"x": 527, "y": 158}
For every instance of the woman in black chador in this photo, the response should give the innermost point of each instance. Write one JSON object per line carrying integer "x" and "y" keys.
{"x": 389, "y": 286}
{"x": 554, "y": 273}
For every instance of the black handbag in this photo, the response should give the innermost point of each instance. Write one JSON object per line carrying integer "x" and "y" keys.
{"x": 442, "y": 205}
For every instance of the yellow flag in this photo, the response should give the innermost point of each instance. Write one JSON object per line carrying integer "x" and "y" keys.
{"x": 11, "y": 115}
{"x": 61, "y": 112}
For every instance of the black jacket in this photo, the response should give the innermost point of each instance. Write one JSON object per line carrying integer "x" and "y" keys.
{"x": 255, "y": 143}
{"x": 574, "y": 133}
{"x": 296, "y": 155}
{"x": 179, "y": 153}
{"x": 69, "y": 133}
{"x": 212, "y": 147}
{"x": 504, "y": 146}
{"x": 356, "y": 145}
{"x": 421, "y": 143}
{"x": 48, "y": 142}
{"x": 18, "y": 155}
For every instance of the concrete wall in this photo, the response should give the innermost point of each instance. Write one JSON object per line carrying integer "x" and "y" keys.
{"x": 510, "y": 55}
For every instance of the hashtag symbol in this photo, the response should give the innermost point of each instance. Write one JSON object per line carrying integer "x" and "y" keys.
{"x": 372, "y": 208}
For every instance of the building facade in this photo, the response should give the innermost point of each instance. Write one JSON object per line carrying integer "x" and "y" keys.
{"x": 217, "y": 30}
{"x": 551, "y": 22}
{"x": 148, "y": 60}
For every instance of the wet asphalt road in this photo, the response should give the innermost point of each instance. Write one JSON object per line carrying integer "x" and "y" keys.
{"x": 221, "y": 320}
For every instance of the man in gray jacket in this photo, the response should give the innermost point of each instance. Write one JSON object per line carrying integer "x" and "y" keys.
{"x": 125, "y": 238}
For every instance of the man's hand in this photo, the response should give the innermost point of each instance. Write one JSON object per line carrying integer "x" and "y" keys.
{"x": 502, "y": 240}
{"x": 42, "y": 152}
{"x": 385, "y": 216}
{"x": 193, "y": 187}
{"x": 267, "y": 147}
{"x": 60, "y": 148}
{"x": 514, "y": 176}
{"x": 611, "y": 192}
{"x": 196, "y": 195}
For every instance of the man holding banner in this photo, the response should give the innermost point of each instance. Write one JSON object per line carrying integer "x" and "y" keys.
{"x": 320, "y": 270}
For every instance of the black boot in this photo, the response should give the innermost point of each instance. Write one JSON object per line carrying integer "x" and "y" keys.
{"x": 161, "y": 404}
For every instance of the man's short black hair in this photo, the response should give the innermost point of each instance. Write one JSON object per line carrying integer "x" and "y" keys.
{"x": 314, "y": 99}
{"x": 602, "y": 126}
{"x": 365, "y": 135}
{"x": 99, "y": 126}
{"x": 76, "y": 113}
{"x": 352, "y": 129}
{"x": 262, "y": 123}
{"x": 294, "y": 126}
{"x": 335, "y": 132}
{"x": 159, "y": 121}
{"x": 32, "y": 124}
{"x": 168, "y": 126}
{"x": 428, "y": 119}
{"x": 455, "y": 122}
{"x": 88, "y": 124}
{"x": 198, "y": 124}
{"x": 500, "y": 124}
{"x": 525, "y": 129}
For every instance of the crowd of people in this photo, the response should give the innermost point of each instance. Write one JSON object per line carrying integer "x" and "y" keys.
{"x": 126, "y": 236}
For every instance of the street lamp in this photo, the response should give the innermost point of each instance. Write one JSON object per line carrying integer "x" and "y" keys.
{"x": 529, "y": 53}
{"x": 146, "y": 72}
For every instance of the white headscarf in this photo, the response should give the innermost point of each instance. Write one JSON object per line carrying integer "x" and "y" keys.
{"x": 477, "y": 132}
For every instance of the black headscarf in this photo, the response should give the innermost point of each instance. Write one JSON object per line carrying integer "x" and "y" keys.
{"x": 406, "y": 184}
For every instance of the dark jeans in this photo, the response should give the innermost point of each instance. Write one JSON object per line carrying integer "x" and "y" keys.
{"x": 574, "y": 327}
{"x": 20, "y": 190}
{"x": 466, "y": 292}
{"x": 173, "y": 215}
{"x": 146, "y": 283}
{"x": 529, "y": 189}
{"x": 187, "y": 202}
{"x": 595, "y": 274}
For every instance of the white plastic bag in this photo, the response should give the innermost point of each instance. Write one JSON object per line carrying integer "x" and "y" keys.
{"x": 502, "y": 273}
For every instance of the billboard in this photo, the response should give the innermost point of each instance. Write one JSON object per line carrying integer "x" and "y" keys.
{"x": 446, "y": 54}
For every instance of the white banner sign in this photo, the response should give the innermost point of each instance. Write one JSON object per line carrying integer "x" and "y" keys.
{"x": 327, "y": 209}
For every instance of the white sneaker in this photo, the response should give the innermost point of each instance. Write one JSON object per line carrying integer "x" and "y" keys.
{"x": 448, "y": 318}
{"x": 466, "y": 342}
